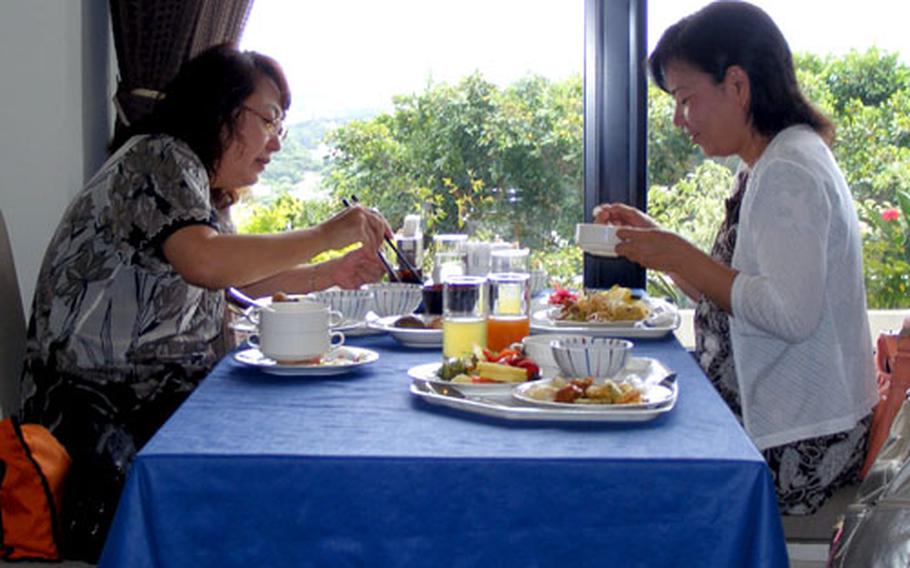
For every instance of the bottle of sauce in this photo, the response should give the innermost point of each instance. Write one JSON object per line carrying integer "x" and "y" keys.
{"x": 409, "y": 241}
{"x": 449, "y": 259}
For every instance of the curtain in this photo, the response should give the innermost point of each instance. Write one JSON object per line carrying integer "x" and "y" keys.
{"x": 154, "y": 37}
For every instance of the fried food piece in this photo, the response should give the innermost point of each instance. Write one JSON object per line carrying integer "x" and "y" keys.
{"x": 282, "y": 297}
{"x": 412, "y": 322}
{"x": 606, "y": 393}
{"x": 569, "y": 393}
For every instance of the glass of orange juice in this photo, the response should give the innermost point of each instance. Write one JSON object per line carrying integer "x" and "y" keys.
{"x": 464, "y": 313}
{"x": 508, "y": 321}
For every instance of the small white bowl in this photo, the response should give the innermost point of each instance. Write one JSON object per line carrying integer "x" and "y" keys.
{"x": 395, "y": 298}
{"x": 537, "y": 347}
{"x": 353, "y": 304}
{"x": 596, "y": 238}
{"x": 597, "y": 357}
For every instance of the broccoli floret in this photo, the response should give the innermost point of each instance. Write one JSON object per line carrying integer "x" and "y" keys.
{"x": 454, "y": 367}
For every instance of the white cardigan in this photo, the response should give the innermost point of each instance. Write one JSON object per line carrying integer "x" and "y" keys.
{"x": 799, "y": 330}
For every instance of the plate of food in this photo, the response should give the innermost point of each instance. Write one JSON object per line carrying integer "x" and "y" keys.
{"x": 411, "y": 330}
{"x": 336, "y": 362}
{"x": 512, "y": 409}
{"x": 614, "y": 312}
{"x": 486, "y": 373}
{"x": 601, "y": 396}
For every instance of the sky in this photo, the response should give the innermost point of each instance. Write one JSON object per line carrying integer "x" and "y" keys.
{"x": 357, "y": 54}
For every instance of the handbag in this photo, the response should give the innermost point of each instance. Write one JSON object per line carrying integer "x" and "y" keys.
{"x": 892, "y": 371}
{"x": 871, "y": 531}
{"x": 33, "y": 467}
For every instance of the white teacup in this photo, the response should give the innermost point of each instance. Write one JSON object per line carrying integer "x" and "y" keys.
{"x": 297, "y": 331}
{"x": 596, "y": 238}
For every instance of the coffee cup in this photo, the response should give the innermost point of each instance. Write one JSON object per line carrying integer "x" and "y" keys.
{"x": 596, "y": 238}
{"x": 298, "y": 331}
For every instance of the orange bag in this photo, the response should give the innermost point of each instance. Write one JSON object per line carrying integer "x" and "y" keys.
{"x": 892, "y": 370}
{"x": 33, "y": 465}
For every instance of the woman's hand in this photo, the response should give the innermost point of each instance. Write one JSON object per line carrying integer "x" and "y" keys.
{"x": 356, "y": 224}
{"x": 695, "y": 272}
{"x": 654, "y": 248}
{"x": 354, "y": 269}
{"x": 622, "y": 214}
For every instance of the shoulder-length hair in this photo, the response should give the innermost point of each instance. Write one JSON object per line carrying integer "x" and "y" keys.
{"x": 727, "y": 33}
{"x": 205, "y": 99}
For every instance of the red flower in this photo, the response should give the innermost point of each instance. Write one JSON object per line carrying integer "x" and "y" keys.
{"x": 562, "y": 296}
{"x": 890, "y": 214}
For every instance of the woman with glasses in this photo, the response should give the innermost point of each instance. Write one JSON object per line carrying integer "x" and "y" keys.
{"x": 129, "y": 308}
{"x": 781, "y": 326}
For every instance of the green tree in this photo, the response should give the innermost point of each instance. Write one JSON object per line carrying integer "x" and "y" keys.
{"x": 671, "y": 155}
{"x": 471, "y": 157}
{"x": 286, "y": 212}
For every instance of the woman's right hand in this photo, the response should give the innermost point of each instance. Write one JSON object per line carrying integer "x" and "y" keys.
{"x": 356, "y": 224}
{"x": 355, "y": 268}
{"x": 622, "y": 214}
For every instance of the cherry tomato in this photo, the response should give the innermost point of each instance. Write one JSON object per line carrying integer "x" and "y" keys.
{"x": 530, "y": 367}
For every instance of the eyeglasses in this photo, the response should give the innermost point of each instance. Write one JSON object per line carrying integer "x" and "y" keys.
{"x": 274, "y": 126}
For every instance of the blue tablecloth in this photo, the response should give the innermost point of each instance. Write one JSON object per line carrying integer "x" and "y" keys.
{"x": 261, "y": 470}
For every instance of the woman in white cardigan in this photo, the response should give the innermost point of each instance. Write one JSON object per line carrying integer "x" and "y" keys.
{"x": 781, "y": 327}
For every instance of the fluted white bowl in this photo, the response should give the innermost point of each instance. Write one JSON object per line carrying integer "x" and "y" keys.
{"x": 395, "y": 298}
{"x": 537, "y": 347}
{"x": 353, "y": 304}
{"x": 597, "y": 357}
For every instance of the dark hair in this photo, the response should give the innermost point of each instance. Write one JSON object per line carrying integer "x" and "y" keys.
{"x": 206, "y": 97}
{"x": 727, "y": 33}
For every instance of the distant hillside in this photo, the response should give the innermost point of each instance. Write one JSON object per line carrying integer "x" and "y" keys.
{"x": 303, "y": 151}
{"x": 310, "y": 133}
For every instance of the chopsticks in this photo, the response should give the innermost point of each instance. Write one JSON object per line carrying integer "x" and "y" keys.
{"x": 392, "y": 275}
{"x": 402, "y": 258}
{"x": 241, "y": 300}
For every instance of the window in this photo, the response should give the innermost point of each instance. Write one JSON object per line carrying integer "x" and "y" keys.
{"x": 853, "y": 63}
{"x": 517, "y": 117}
{"x": 470, "y": 113}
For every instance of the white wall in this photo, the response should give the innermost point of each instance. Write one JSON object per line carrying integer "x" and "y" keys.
{"x": 54, "y": 112}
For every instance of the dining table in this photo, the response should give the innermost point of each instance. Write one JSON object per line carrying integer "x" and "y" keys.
{"x": 258, "y": 469}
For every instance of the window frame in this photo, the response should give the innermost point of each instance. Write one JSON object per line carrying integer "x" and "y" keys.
{"x": 615, "y": 123}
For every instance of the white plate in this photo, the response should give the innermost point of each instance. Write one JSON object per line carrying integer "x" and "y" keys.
{"x": 427, "y": 373}
{"x": 653, "y": 396}
{"x": 551, "y": 313}
{"x": 340, "y": 361}
{"x": 408, "y": 336}
{"x": 664, "y": 319}
{"x": 352, "y": 328}
{"x": 511, "y": 409}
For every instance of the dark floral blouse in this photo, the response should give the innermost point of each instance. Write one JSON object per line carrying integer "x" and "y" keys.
{"x": 108, "y": 307}
{"x": 117, "y": 338}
